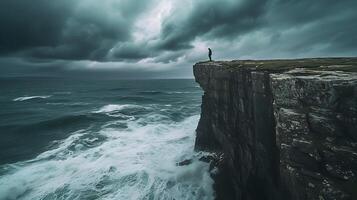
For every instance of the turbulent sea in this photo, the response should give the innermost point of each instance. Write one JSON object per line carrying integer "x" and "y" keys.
{"x": 100, "y": 139}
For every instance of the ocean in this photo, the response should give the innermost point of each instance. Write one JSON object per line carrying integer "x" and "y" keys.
{"x": 100, "y": 139}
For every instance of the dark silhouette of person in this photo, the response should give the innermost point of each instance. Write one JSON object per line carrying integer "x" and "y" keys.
{"x": 210, "y": 54}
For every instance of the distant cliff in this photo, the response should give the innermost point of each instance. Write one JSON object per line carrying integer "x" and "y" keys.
{"x": 282, "y": 129}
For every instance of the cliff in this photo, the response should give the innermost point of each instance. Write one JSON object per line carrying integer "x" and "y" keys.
{"x": 281, "y": 129}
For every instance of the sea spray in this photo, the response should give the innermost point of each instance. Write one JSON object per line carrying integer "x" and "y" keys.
{"x": 137, "y": 163}
{"x": 121, "y": 148}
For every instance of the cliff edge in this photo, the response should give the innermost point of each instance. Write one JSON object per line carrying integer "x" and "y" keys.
{"x": 281, "y": 129}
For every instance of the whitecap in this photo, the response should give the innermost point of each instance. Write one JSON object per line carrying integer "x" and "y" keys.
{"x": 115, "y": 107}
{"x": 118, "y": 111}
{"x": 31, "y": 97}
{"x": 135, "y": 163}
{"x": 179, "y": 92}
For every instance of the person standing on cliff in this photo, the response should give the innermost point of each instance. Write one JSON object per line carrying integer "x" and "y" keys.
{"x": 210, "y": 54}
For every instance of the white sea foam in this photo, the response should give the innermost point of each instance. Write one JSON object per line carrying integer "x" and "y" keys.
{"x": 115, "y": 107}
{"x": 115, "y": 110}
{"x": 31, "y": 97}
{"x": 138, "y": 162}
{"x": 178, "y": 92}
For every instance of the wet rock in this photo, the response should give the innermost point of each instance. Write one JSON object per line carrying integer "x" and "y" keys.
{"x": 286, "y": 128}
{"x": 184, "y": 162}
{"x": 312, "y": 121}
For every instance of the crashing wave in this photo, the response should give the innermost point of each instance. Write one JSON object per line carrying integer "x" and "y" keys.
{"x": 31, "y": 97}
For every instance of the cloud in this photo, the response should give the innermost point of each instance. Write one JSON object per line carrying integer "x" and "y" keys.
{"x": 28, "y": 24}
{"x": 297, "y": 24}
{"x": 169, "y": 35}
{"x": 210, "y": 19}
{"x": 71, "y": 30}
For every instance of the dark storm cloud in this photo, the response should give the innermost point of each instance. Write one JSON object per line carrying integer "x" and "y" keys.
{"x": 28, "y": 24}
{"x": 132, "y": 51}
{"x": 83, "y": 29}
{"x": 325, "y": 24}
{"x": 207, "y": 18}
{"x": 315, "y": 22}
{"x": 294, "y": 27}
{"x": 58, "y": 33}
{"x": 211, "y": 18}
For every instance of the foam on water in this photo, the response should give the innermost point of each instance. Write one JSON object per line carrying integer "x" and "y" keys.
{"x": 138, "y": 162}
{"x": 179, "y": 92}
{"x": 115, "y": 110}
{"x": 31, "y": 97}
{"x": 115, "y": 107}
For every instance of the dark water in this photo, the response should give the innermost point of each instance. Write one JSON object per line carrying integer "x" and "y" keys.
{"x": 106, "y": 139}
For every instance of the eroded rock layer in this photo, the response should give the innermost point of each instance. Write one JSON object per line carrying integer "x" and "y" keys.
{"x": 284, "y": 129}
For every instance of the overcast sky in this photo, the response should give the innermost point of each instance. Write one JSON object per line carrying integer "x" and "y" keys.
{"x": 164, "y": 38}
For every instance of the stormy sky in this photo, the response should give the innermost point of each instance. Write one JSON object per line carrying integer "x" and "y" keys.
{"x": 164, "y": 38}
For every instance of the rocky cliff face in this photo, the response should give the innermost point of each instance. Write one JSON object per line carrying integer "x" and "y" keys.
{"x": 283, "y": 129}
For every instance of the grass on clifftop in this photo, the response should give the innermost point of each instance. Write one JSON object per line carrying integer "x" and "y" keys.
{"x": 324, "y": 64}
